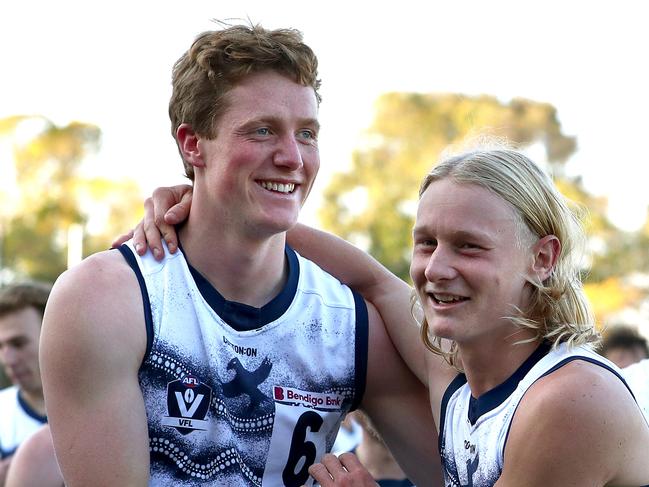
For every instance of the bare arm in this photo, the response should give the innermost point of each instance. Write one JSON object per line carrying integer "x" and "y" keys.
{"x": 398, "y": 406}
{"x": 578, "y": 426}
{"x": 93, "y": 341}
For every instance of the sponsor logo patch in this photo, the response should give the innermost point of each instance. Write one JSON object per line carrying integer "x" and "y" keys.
{"x": 327, "y": 401}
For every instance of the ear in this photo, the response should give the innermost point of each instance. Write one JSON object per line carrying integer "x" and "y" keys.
{"x": 546, "y": 252}
{"x": 188, "y": 143}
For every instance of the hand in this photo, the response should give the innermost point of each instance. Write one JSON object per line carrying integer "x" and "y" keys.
{"x": 343, "y": 471}
{"x": 167, "y": 207}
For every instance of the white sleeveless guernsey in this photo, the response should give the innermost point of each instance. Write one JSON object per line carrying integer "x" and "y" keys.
{"x": 17, "y": 420}
{"x": 474, "y": 431}
{"x": 243, "y": 396}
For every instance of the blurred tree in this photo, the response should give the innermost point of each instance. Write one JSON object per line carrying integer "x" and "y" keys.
{"x": 43, "y": 194}
{"x": 373, "y": 203}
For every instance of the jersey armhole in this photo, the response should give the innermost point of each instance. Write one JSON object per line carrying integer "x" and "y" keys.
{"x": 128, "y": 255}
{"x": 455, "y": 384}
{"x": 361, "y": 348}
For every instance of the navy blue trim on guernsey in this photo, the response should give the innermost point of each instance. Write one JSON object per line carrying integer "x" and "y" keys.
{"x": 243, "y": 317}
{"x": 361, "y": 349}
{"x": 496, "y": 396}
{"x": 455, "y": 384}
{"x": 7, "y": 453}
{"x": 561, "y": 364}
{"x": 126, "y": 252}
{"x": 30, "y": 412}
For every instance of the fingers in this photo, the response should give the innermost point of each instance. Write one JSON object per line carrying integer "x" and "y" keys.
{"x": 180, "y": 197}
{"x": 147, "y": 232}
{"x": 343, "y": 471}
{"x": 119, "y": 241}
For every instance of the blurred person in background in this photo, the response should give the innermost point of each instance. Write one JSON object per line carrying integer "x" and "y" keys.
{"x": 22, "y": 406}
{"x": 623, "y": 345}
{"x": 627, "y": 348}
{"x": 376, "y": 457}
{"x": 34, "y": 463}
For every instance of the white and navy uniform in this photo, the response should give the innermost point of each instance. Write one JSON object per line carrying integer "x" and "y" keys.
{"x": 17, "y": 420}
{"x": 244, "y": 396}
{"x": 474, "y": 432}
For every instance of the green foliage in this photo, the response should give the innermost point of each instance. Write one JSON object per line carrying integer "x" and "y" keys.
{"x": 375, "y": 200}
{"x": 49, "y": 195}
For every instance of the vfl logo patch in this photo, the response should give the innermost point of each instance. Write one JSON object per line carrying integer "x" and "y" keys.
{"x": 188, "y": 400}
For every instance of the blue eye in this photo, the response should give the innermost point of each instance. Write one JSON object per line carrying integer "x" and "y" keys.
{"x": 307, "y": 134}
{"x": 263, "y": 131}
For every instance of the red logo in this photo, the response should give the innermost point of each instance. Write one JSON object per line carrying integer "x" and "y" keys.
{"x": 279, "y": 393}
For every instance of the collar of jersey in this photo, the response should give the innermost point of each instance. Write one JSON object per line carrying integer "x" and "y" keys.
{"x": 243, "y": 317}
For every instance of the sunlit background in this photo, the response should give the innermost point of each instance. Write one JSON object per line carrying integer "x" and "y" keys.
{"x": 107, "y": 64}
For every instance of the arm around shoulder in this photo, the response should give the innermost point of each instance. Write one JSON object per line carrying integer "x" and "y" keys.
{"x": 93, "y": 341}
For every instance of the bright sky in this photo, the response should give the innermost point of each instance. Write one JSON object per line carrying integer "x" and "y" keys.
{"x": 109, "y": 63}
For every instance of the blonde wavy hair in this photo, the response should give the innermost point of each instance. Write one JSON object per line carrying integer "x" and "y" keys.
{"x": 559, "y": 310}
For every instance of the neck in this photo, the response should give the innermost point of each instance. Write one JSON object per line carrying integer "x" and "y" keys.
{"x": 34, "y": 400}
{"x": 245, "y": 270}
{"x": 378, "y": 460}
{"x": 490, "y": 364}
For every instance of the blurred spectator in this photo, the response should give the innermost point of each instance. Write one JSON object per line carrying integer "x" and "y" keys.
{"x": 623, "y": 346}
{"x": 637, "y": 376}
{"x": 22, "y": 407}
{"x": 349, "y": 436}
{"x": 34, "y": 463}
{"x": 375, "y": 456}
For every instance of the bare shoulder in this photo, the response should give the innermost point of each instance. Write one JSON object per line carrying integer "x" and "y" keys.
{"x": 102, "y": 289}
{"x": 34, "y": 463}
{"x": 94, "y": 321}
{"x": 582, "y": 421}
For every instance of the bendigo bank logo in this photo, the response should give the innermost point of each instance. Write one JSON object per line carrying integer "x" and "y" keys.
{"x": 188, "y": 400}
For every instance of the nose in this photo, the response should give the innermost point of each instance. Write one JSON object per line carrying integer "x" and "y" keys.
{"x": 288, "y": 154}
{"x": 440, "y": 265}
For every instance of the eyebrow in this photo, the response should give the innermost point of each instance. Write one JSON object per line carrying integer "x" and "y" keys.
{"x": 304, "y": 122}
{"x": 458, "y": 234}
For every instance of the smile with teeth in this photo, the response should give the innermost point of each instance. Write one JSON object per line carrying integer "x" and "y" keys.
{"x": 285, "y": 188}
{"x": 442, "y": 298}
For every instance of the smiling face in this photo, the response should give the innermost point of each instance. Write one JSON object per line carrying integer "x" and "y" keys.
{"x": 19, "y": 335}
{"x": 467, "y": 265}
{"x": 258, "y": 170}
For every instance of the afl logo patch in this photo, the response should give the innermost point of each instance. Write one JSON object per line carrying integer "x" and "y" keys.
{"x": 188, "y": 401}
